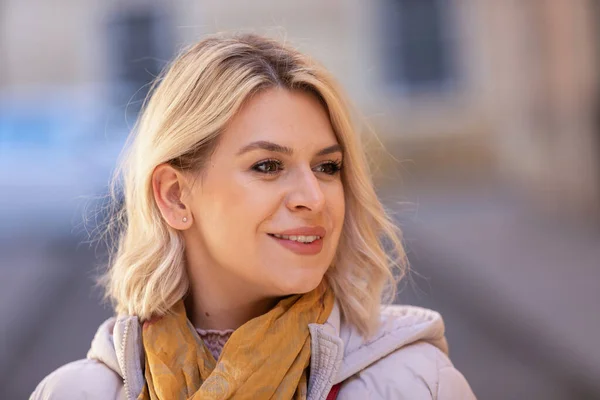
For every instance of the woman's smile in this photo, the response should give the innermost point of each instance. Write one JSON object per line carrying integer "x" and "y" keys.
{"x": 301, "y": 247}
{"x": 302, "y": 244}
{"x": 303, "y": 241}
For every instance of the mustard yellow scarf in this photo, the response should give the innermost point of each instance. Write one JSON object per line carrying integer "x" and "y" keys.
{"x": 266, "y": 358}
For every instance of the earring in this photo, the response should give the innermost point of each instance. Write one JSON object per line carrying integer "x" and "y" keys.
{"x": 184, "y": 219}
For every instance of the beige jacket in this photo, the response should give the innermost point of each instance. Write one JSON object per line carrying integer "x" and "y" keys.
{"x": 406, "y": 359}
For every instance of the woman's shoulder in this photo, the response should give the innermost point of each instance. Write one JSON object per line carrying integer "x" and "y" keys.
{"x": 416, "y": 371}
{"x": 87, "y": 378}
{"x": 406, "y": 358}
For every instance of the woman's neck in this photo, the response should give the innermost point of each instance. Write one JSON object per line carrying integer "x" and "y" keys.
{"x": 220, "y": 301}
{"x": 219, "y": 315}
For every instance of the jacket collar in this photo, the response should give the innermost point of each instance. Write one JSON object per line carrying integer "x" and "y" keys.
{"x": 118, "y": 345}
{"x": 327, "y": 351}
{"x": 338, "y": 350}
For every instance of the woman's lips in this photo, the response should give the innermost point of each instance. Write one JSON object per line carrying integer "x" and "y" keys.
{"x": 301, "y": 248}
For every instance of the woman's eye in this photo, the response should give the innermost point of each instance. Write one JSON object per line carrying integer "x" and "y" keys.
{"x": 330, "y": 168}
{"x": 272, "y": 167}
{"x": 268, "y": 167}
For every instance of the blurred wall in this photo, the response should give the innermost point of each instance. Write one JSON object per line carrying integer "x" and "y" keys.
{"x": 507, "y": 89}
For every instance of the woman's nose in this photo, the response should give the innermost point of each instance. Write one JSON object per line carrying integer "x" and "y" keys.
{"x": 306, "y": 193}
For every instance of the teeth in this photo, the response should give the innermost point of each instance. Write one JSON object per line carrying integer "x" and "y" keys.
{"x": 300, "y": 238}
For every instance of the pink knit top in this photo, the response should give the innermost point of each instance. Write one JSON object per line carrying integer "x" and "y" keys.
{"x": 214, "y": 339}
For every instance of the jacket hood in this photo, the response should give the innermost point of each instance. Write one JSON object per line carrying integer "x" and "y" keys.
{"x": 400, "y": 327}
{"x": 118, "y": 343}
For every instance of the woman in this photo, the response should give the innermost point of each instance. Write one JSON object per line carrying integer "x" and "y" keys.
{"x": 250, "y": 261}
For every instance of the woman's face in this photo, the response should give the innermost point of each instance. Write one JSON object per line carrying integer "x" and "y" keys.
{"x": 269, "y": 208}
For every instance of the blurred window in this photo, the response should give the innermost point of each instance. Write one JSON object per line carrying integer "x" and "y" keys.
{"x": 140, "y": 46}
{"x": 417, "y": 44}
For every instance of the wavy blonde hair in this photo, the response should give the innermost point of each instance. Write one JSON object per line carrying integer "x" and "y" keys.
{"x": 186, "y": 110}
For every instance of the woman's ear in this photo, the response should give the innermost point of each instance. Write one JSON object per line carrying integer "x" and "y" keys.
{"x": 169, "y": 186}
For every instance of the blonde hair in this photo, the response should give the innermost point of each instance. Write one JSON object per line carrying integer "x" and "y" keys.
{"x": 188, "y": 107}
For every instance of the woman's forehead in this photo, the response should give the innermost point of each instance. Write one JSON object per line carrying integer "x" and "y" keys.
{"x": 293, "y": 120}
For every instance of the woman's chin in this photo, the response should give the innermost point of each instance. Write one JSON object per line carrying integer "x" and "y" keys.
{"x": 298, "y": 285}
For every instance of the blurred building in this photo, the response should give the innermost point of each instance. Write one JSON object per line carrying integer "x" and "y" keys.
{"x": 492, "y": 90}
{"x": 471, "y": 96}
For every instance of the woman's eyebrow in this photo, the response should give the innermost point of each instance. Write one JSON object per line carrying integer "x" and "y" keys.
{"x": 331, "y": 149}
{"x": 270, "y": 146}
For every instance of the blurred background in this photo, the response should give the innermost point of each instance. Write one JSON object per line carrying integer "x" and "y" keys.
{"x": 489, "y": 113}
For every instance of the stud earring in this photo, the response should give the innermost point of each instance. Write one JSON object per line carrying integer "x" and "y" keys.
{"x": 184, "y": 219}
